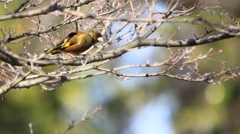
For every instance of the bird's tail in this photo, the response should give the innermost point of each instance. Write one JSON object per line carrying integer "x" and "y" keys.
{"x": 52, "y": 51}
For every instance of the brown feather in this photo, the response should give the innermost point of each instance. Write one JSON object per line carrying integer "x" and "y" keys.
{"x": 76, "y": 42}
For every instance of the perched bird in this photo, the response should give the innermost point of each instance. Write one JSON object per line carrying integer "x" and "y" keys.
{"x": 77, "y": 42}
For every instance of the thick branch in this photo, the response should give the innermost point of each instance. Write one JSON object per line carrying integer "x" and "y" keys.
{"x": 13, "y": 83}
{"x": 14, "y": 59}
{"x": 40, "y": 11}
{"x": 32, "y": 81}
{"x": 44, "y": 10}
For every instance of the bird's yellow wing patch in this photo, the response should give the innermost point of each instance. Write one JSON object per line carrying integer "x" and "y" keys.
{"x": 67, "y": 44}
{"x": 53, "y": 51}
{"x": 48, "y": 51}
{"x": 75, "y": 40}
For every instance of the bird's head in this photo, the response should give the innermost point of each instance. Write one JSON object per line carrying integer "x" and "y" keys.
{"x": 96, "y": 35}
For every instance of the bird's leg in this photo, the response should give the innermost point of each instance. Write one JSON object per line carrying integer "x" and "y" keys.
{"x": 73, "y": 56}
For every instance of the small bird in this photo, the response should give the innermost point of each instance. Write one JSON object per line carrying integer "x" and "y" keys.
{"x": 76, "y": 42}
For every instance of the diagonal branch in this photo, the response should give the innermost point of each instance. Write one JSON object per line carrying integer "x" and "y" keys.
{"x": 9, "y": 85}
{"x": 17, "y": 60}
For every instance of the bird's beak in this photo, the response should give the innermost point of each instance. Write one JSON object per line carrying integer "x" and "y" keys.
{"x": 100, "y": 39}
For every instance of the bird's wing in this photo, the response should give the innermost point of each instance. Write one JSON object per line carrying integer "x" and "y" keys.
{"x": 65, "y": 42}
{"x": 81, "y": 36}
